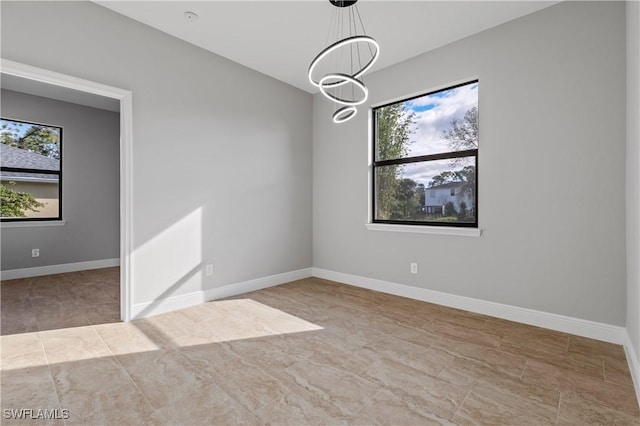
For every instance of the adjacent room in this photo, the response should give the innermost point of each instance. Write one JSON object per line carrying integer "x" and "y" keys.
{"x": 320, "y": 212}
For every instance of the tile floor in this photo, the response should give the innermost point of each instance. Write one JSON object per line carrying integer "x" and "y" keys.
{"x": 307, "y": 352}
{"x": 60, "y": 301}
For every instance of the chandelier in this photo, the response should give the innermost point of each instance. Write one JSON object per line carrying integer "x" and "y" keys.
{"x": 338, "y": 69}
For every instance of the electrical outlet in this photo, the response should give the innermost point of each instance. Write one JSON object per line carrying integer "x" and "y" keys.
{"x": 209, "y": 270}
{"x": 35, "y": 252}
{"x": 414, "y": 268}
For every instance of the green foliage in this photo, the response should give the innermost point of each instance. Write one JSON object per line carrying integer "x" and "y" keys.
{"x": 40, "y": 139}
{"x": 463, "y": 134}
{"x": 450, "y": 209}
{"x": 393, "y": 132}
{"x": 466, "y": 174}
{"x": 463, "y": 210}
{"x": 14, "y": 203}
{"x": 406, "y": 201}
{"x": 444, "y": 219}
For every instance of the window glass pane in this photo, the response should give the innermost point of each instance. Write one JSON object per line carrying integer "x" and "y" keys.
{"x": 26, "y": 148}
{"x": 427, "y": 191}
{"x": 29, "y": 195}
{"x": 440, "y": 122}
{"x": 29, "y": 146}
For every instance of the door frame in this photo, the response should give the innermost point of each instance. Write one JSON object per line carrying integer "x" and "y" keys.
{"x": 126, "y": 166}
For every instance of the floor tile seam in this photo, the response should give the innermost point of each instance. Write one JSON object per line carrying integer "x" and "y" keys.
{"x": 524, "y": 368}
{"x": 53, "y": 382}
{"x": 494, "y": 368}
{"x": 295, "y": 302}
{"x": 124, "y": 369}
{"x": 41, "y": 329}
{"x": 513, "y": 340}
{"x": 416, "y": 407}
{"x": 209, "y": 377}
{"x": 234, "y": 384}
{"x": 552, "y": 409}
{"x": 559, "y": 406}
{"x": 333, "y": 299}
{"x": 357, "y": 412}
{"x": 585, "y": 392}
{"x": 491, "y": 385}
{"x": 565, "y": 368}
{"x": 444, "y": 367}
{"x": 430, "y": 346}
{"x": 340, "y": 370}
{"x": 157, "y": 337}
{"x": 68, "y": 293}
{"x": 266, "y": 369}
{"x": 600, "y": 405}
{"x": 461, "y": 404}
{"x": 361, "y": 371}
{"x": 604, "y": 373}
{"x": 269, "y": 331}
{"x": 567, "y": 379}
{"x": 533, "y": 357}
{"x": 257, "y": 412}
{"x": 332, "y": 367}
{"x": 400, "y": 323}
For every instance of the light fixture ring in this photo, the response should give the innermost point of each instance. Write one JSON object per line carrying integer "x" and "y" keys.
{"x": 345, "y": 113}
{"x": 348, "y": 79}
{"x": 337, "y": 45}
{"x": 343, "y": 3}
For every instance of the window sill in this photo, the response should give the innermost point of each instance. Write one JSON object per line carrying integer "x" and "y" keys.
{"x": 35, "y": 224}
{"x": 434, "y": 230}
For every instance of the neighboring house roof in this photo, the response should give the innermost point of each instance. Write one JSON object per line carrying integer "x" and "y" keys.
{"x": 447, "y": 185}
{"x": 16, "y": 157}
{"x": 28, "y": 177}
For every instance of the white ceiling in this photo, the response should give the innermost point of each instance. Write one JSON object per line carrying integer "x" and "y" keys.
{"x": 37, "y": 88}
{"x": 280, "y": 38}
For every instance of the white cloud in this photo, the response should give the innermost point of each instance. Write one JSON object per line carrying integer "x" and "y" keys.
{"x": 424, "y": 172}
{"x": 427, "y": 136}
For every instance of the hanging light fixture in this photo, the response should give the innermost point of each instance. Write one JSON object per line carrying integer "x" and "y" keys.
{"x": 338, "y": 69}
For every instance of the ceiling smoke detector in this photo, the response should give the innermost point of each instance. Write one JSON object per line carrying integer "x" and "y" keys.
{"x": 191, "y": 16}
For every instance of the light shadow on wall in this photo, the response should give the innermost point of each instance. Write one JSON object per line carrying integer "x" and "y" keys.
{"x": 170, "y": 261}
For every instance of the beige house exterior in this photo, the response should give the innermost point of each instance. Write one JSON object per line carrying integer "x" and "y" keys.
{"x": 43, "y": 186}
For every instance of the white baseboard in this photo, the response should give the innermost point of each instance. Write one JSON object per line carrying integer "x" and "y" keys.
{"x": 579, "y": 327}
{"x": 141, "y": 310}
{"x": 634, "y": 363}
{"x": 38, "y": 271}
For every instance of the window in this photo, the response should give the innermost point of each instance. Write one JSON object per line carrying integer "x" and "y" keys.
{"x": 30, "y": 171}
{"x": 425, "y": 152}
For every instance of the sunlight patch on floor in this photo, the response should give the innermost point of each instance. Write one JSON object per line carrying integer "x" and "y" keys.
{"x": 208, "y": 323}
{"x": 227, "y": 320}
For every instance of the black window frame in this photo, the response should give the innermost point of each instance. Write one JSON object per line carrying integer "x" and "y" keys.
{"x": 39, "y": 171}
{"x": 420, "y": 159}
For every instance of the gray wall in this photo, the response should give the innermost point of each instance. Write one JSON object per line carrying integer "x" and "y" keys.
{"x": 91, "y": 186}
{"x": 633, "y": 174}
{"x": 551, "y": 169}
{"x": 221, "y": 153}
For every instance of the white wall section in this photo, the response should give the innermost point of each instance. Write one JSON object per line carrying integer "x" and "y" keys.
{"x": 633, "y": 187}
{"x": 551, "y": 169}
{"x": 219, "y": 150}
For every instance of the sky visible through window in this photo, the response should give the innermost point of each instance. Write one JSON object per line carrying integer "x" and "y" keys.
{"x": 19, "y": 128}
{"x": 433, "y": 116}
{"x": 32, "y": 137}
